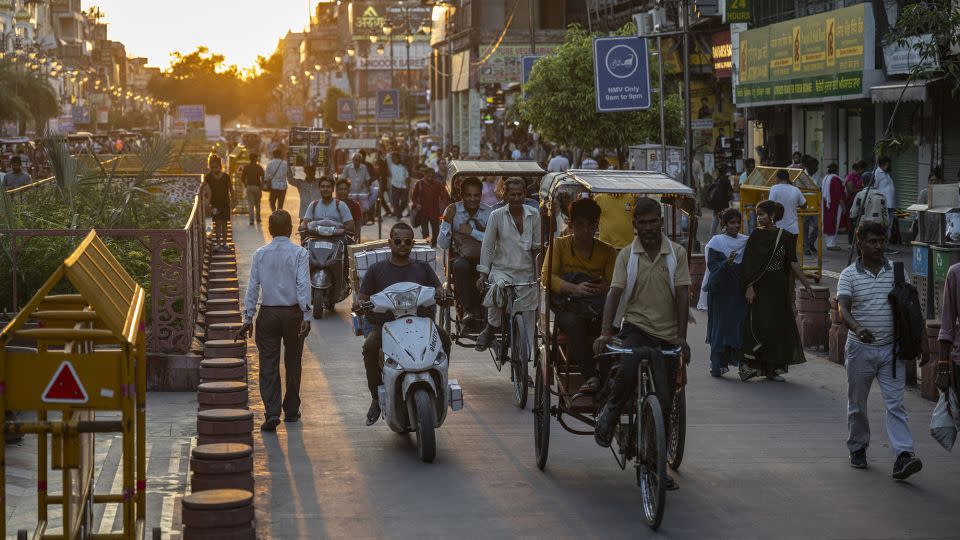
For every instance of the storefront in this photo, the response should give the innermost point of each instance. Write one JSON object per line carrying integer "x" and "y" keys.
{"x": 804, "y": 86}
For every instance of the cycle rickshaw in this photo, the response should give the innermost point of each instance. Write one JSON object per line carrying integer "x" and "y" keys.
{"x": 504, "y": 349}
{"x": 640, "y": 436}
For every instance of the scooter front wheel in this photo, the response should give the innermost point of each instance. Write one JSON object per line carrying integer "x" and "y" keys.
{"x": 317, "y": 299}
{"x": 426, "y": 421}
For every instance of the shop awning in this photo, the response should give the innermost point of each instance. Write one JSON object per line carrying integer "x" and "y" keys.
{"x": 916, "y": 90}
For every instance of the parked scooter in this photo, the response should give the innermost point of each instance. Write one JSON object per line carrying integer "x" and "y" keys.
{"x": 415, "y": 391}
{"x": 326, "y": 242}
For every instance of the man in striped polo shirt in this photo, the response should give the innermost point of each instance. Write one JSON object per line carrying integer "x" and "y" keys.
{"x": 862, "y": 295}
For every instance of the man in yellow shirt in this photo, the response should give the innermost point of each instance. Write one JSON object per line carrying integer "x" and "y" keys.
{"x": 579, "y": 275}
{"x": 616, "y": 218}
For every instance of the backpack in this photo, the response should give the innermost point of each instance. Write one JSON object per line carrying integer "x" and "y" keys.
{"x": 873, "y": 207}
{"x": 908, "y": 320}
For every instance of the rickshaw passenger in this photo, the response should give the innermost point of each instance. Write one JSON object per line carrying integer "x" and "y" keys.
{"x": 649, "y": 293}
{"x": 463, "y": 227}
{"x": 616, "y": 218}
{"x": 579, "y": 274}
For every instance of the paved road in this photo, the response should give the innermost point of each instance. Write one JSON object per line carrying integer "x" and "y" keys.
{"x": 763, "y": 460}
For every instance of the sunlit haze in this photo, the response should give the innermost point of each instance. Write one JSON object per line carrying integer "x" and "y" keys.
{"x": 238, "y": 29}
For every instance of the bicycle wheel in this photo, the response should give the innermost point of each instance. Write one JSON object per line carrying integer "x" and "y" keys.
{"x": 678, "y": 430}
{"x": 652, "y": 460}
{"x": 519, "y": 360}
{"x": 541, "y": 417}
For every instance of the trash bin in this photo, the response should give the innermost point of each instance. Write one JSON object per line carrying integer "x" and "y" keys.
{"x": 942, "y": 256}
{"x": 922, "y": 277}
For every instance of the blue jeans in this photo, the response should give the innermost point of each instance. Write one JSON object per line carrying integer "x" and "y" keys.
{"x": 720, "y": 358}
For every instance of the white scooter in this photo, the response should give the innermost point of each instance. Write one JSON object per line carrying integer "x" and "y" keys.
{"x": 415, "y": 391}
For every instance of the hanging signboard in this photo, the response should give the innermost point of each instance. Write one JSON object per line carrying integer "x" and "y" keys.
{"x": 388, "y": 104}
{"x": 819, "y": 56}
{"x": 722, "y": 55}
{"x": 505, "y": 64}
{"x": 621, "y": 74}
{"x": 346, "y": 110}
{"x": 191, "y": 113}
{"x": 735, "y": 11}
{"x": 309, "y": 147}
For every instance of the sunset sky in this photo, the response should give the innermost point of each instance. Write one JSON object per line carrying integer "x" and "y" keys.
{"x": 238, "y": 29}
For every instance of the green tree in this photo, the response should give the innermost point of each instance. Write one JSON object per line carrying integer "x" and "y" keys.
{"x": 26, "y": 96}
{"x": 329, "y": 110}
{"x": 202, "y": 77}
{"x": 560, "y": 102}
{"x": 261, "y": 82}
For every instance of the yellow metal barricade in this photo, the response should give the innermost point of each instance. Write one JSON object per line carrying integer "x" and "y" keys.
{"x": 73, "y": 355}
{"x": 756, "y": 188}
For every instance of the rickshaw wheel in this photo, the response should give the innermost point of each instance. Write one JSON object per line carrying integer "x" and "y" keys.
{"x": 541, "y": 417}
{"x": 678, "y": 430}
{"x": 519, "y": 361}
{"x": 652, "y": 460}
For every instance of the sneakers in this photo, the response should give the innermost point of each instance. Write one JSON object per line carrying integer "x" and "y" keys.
{"x": 270, "y": 424}
{"x": 373, "y": 413}
{"x": 747, "y": 373}
{"x": 906, "y": 465}
{"x": 775, "y": 377}
{"x": 858, "y": 459}
{"x": 603, "y": 433}
{"x": 486, "y": 337}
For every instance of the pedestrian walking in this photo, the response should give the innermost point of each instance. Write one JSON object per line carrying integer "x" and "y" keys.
{"x": 252, "y": 176}
{"x": 219, "y": 194}
{"x": 399, "y": 184}
{"x": 852, "y": 184}
{"x": 719, "y": 196}
{"x": 791, "y": 199}
{"x": 488, "y": 194}
{"x": 832, "y": 201}
{"x": 771, "y": 341}
{"x": 277, "y": 174}
{"x": 280, "y": 280}
{"x": 558, "y": 162}
{"x": 308, "y": 188}
{"x": 883, "y": 182}
{"x": 360, "y": 190}
{"x": 17, "y": 177}
{"x": 429, "y": 198}
{"x": 862, "y": 295}
{"x": 948, "y": 363}
{"x": 725, "y": 303}
{"x": 810, "y": 225}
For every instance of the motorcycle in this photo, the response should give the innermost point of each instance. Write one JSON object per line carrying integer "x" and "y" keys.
{"x": 415, "y": 392}
{"x": 326, "y": 241}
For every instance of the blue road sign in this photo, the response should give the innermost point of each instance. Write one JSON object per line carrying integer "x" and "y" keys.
{"x": 526, "y": 65}
{"x": 190, "y": 113}
{"x": 346, "y": 110}
{"x": 621, "y": 74}
{"x": 388, "y": 104}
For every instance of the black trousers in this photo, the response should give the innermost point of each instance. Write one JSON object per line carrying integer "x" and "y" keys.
{"x": 465, "y": 283}
{"x": 371, "y": 356}
{"x": 276, "y": 326}
{"x": 276, "y": 199}
{"x": 580, "y": 331}
{"x": 664, "y": 371}
{"x": 428, "y": 225}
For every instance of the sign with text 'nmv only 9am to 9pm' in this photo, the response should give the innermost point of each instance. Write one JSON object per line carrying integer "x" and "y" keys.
{"x": 621, "y": 74}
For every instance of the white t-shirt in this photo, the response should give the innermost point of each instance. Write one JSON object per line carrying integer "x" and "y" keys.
{"x": 335, "y": 210}
{"x": 790, "y": 197}
{"x": 558, "y": 164}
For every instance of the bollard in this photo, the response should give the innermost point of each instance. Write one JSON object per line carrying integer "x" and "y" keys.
{"x": 838, "y": 335}
{"x": 222, "y": 395}
{"x": 928, "y": 373}
{"x": 222, "y": 331}
{"x": 221, "y": 466}
{"x": 224, "y": 426}
{"x": 813, "y": 320}
{"x": 229, "y": 293}
{"x": 223, "y": 369}
{"x": 218, "y": 514}
{"x": 698, "y": 266}
{"x": 224, "y": 348}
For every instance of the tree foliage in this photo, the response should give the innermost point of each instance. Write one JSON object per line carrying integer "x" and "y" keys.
{"x": 942, "y": 21}
{"x": 560, "y": 102}
{"x": 25, "y": 95}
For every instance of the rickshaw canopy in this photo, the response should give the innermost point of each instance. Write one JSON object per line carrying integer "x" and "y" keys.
{"x": 634, "y": 182}
{"x": 460, "y": 167}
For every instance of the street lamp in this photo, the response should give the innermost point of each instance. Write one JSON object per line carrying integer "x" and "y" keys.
{"x": 380, "y": 49}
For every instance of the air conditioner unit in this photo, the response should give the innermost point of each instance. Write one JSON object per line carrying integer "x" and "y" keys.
{"x": 644, "y": 24}
{"x": 659, "y": 19}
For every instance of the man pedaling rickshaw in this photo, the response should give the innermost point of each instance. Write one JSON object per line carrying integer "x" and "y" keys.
{"x": 649, "y": 299}
{"x": 463, "y": 227}
{"x": 579, "y": 276}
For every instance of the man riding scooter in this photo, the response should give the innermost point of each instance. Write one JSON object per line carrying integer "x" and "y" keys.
{"x": 324, "y": 224}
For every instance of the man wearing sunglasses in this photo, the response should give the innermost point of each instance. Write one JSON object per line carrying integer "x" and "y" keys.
{"x": 398, "y": 268}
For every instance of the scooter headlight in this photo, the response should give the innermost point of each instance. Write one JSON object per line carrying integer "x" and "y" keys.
{"x": 391, "y": 363}
{"x": 405, "y": 300}
{"x": 441, "y": 358}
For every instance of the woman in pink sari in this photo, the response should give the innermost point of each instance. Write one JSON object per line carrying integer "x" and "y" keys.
{"x": 853, "y": 183}
{"x": 833, "y": 201}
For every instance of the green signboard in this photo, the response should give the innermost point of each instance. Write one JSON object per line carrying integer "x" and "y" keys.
{"x": 819, "y": 56}
{"x": 737, "y": 11}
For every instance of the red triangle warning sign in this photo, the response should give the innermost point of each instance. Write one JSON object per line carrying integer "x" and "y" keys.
{"x": 65, "y": 386}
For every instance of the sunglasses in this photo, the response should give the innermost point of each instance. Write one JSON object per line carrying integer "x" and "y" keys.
{"x": 403, "y": 242}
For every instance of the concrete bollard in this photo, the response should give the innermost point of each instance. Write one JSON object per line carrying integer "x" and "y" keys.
{"x": 224, "y": 348}
{"x": 698, "y": 266}
{"x": 222, "y": 395}
{"x": 224, "y": 426}
{"x": 223, "y": 369}
{"x": 222, "y": 330}
{"x": 221, "y": 466}
{"x": 838, "y": 334}
{"x": 928, "y": 373}
{"x": 813, "y": 320}
{"x": 218, "y": 514}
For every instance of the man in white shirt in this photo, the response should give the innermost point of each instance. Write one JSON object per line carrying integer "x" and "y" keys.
{"x": 280, "y": 271}
{"x": 399, "y": 184}
{"x": 275, "y": 179}
{"x": 558, "y": 163}
{"x": 791, "y": 198}
{"x": 883, "y": 182}
{"x": 589, "y": 163}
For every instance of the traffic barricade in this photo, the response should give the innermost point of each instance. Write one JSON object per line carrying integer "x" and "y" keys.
{"x": 80, "y": 354}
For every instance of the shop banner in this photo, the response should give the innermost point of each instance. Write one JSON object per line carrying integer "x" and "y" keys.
{"x": 735, "y": 11}
{"x": 722, "y": 55}
{"x": 621, "y": 70}
{"x": 505, "y": 64}
{"x": 819, "y": 56}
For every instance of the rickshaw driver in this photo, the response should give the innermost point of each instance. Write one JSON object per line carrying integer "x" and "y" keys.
{"x": 463, "y": 225}
{"x": 654, "y": 311}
